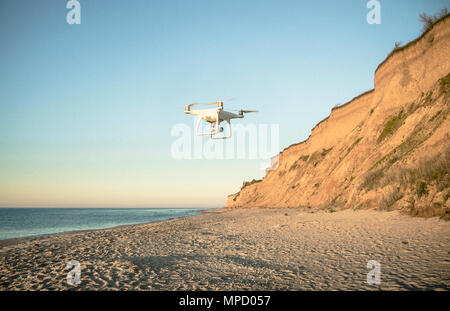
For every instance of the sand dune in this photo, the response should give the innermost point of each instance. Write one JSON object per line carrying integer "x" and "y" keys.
{"x": 240, "y": 249}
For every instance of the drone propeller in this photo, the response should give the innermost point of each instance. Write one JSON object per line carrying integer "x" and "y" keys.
{"x": 216, "y": 103}
{"x": 229, "y": 100}
{"x": 195, "y": 104}
{"x": 241, "y": 111}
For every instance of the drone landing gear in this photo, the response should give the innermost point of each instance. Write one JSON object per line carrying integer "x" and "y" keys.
{"x": 215, "y": 129}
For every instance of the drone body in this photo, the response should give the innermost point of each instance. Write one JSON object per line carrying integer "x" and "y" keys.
{"x": 214, "y": 116}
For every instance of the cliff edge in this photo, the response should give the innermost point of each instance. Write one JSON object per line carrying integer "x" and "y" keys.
{"x": 386, "y": 149}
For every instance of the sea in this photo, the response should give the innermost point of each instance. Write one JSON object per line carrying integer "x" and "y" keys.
{"x": 31, "y": 222}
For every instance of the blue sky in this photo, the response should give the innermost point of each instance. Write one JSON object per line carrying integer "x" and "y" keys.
{"x": 86, "y": 110}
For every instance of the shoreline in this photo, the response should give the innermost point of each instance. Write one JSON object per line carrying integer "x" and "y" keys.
{"x": 240, "y": 249}
{"x": 18, "y": 240}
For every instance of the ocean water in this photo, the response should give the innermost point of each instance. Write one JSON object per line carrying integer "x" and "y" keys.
{"x": 28, "y": 222}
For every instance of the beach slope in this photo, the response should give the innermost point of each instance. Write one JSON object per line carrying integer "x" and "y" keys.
{"x": 240, "y": 249}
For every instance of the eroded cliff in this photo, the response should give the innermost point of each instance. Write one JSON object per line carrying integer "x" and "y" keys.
{"x": 386, "y": 149}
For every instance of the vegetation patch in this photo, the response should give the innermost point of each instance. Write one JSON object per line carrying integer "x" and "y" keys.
{"x": 422, "y": 189}
{"x": 392, "y": 125}
{"x": 326, "y": 151}
{"x": 445, "y": 84}
{"x": 343, "y": 157}
{"x": 411, "y": 108}
{"x": 396, "y": 121}
{"x": 317, "y": 156}
{"x": 420, "y": 134}
{"x": 428, "y": 23}
{"x": 427, "y": 177}
{"x": 397, "y": 46}
{"x": 389, "y": 200}
{"x": 447, "y": 195}
{"x": 304, "y": 158}
{"x": 248, "y": 183}
{"x": 434, "y": 171}
{"x": 314, "y": 157}
{"x": 435, "y": 116}
{"x": 294, "y": 166}
{"x": 429, "y": 20}
{"x": 428, "y": 98}
{"x": 372, "y": 179}
{"x": 408, "y": 145}
{"x": 353, "y": 145}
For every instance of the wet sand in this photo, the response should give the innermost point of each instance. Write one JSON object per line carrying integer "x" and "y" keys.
{"x": 240, "y": 249}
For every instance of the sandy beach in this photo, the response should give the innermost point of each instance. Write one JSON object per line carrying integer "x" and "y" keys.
{"x": 240, "y": 249}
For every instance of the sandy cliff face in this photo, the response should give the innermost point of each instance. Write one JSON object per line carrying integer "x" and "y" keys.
{"x": 387, "y": 148}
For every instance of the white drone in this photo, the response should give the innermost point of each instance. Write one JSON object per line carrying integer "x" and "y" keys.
{"x": 214, "y": 116}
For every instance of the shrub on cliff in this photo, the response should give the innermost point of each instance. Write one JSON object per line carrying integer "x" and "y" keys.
{"x": 429, "y": 20}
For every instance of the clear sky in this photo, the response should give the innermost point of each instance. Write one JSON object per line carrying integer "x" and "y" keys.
{"x": 86, "y": 111}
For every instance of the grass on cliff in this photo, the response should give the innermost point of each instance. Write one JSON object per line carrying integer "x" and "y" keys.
{"x": 353, "y": 145}
{"x": 427, "y": 175}
{"x": 389, "y": 199}
{"x": 434, "y": 171}
{"x": 372, "y": 179}
{"x": 314, "y": 159}
{"x": 408, "y": 145}
{"x": 423, "y": 130}
{"x": 248, "y": 183}
{"x": 445, "y": 84}
{"x": 392, "y": 125}
{"x": 296, "y": 164}
{"x": 317, "y": 156}
{"x": 420, "y": 134}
